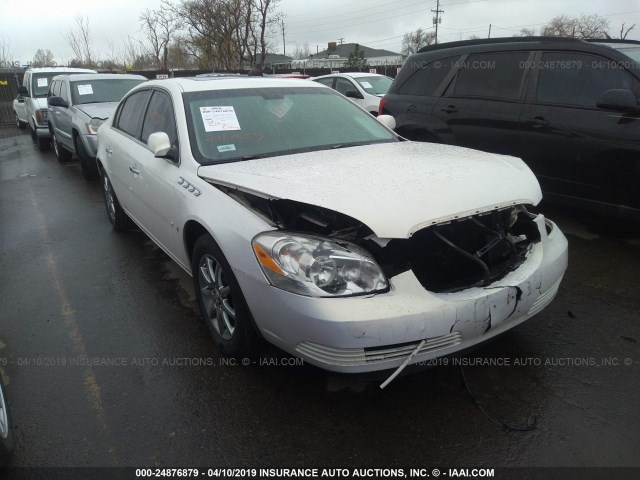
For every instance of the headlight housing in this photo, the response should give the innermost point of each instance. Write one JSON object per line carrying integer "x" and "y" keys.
{"x": 317, "y": 266}
{"x": 94, "y": 125}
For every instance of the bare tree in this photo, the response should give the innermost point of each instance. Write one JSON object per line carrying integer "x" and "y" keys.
{"x": 79, "y": 40}
{"x": 526, "y": 32}
{"x": 585, "y": 26}
{"x": 159, "y": 26}
{"x": 6, "y": 54}
{"x": 414, "y": 41}
{"x": 624, "y": 33}
{"x": 265, "y": 21}
{"x": 301, "y": 51}
{"x": 43, "y": 58}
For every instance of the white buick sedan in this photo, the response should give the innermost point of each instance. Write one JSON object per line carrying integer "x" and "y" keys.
{"x": 306, "y": 222}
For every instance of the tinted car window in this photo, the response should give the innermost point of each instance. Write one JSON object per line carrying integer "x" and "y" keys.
{"x": 343, "y": 86}
{"x": 578, "y": 79}
{"x": 101, "y": 90}
{"x": 491, "y": 75}
{"x": 132, "y": 113}
{"x": 40, "y": 84}
{"x": 426, "y": 79}
{"x": 326, "y": 81}
{"x": 159, "y": 118}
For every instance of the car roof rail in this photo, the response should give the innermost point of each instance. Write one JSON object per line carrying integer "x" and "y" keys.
{"x": 612, "y": 40}
{"x": 489, "y": 41}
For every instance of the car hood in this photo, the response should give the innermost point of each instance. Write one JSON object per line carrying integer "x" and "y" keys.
{"x": 393, "y": 188}
{"x": 98, "y": 110}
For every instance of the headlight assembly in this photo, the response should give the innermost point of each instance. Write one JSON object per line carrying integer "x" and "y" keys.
{"x": 94, "y": 125}
{"x": 317, "y": 266}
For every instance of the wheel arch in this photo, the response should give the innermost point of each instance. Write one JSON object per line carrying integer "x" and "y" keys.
{"x": 191, "y": 231}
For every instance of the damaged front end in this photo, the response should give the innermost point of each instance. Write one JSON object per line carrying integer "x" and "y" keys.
{"x": 474, "y": 251}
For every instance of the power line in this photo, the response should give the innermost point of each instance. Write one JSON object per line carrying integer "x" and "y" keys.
{"x": 358, "y": 13}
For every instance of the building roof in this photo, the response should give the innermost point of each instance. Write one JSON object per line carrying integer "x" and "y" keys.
{"x": 271, "y": 58}
{"x": 346, "y": 48}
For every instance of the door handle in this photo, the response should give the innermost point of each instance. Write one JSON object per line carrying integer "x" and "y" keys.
{"x": 537, "y": 122}
{"x": 109, "y": 151}
{"x": 449, "y": 109}
{"x": 133, "y": 169}
{"x": 411, "y": 108}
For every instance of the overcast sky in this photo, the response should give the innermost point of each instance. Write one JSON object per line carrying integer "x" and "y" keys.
{"x": 32, "y": 24}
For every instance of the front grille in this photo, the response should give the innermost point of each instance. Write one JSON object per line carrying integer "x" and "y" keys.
{"x": 473, "y": 251}
{"x": 352, "y": 357}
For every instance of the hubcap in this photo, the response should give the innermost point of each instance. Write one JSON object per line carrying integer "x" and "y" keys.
{"x": 216, "y": 297}
{"x": 108, "y": 198}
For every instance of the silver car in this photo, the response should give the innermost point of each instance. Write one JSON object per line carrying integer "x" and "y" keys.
{"x": 309, "y": 223}
{"x": 78, "y": 105}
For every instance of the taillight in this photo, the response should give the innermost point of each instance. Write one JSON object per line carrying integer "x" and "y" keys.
{"x": 381, "y": 107}
{"x": 38, "y": 119}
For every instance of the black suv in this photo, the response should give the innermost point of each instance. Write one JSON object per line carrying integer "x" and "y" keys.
{"x": 567, "y": 107}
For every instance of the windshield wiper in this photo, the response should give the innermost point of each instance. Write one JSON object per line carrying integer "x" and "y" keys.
{"x": 345, "y": 145}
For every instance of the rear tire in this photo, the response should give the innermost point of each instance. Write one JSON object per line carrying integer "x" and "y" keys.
{"x": 6, "y": 427}
{"x": 44, "y": 144}
{"x": 88, "y": 164}
{"x": 222, "y": 304}
{"x": 117, "y": 216}
{"x": 61, "y": 154}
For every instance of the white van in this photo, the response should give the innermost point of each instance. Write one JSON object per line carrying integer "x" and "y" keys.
{"x": 31, "y": 105}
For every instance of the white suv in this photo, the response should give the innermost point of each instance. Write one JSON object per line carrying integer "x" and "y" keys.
{"x": 31, "y": 105}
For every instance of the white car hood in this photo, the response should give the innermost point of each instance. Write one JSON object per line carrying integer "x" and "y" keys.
{"x": 98, "y": 110}
{"x": 393, "y": 188}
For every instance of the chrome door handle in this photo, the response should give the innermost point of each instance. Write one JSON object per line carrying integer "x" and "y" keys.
{"x": 134, "y": 170}
{"x": 109, "y": 151}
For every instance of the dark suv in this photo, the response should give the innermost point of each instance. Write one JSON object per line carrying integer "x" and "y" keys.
{"x": 567, "y": 107}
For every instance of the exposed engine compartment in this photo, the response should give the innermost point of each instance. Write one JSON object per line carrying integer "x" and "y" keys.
{"x": 464, "y": 253}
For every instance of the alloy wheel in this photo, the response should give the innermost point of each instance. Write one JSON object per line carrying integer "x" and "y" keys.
{"x": 216, "y": 297}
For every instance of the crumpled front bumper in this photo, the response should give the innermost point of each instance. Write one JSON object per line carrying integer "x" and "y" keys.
{"x": 378, "y": 332}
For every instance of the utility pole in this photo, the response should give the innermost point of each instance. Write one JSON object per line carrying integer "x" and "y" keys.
{"x": 341, "y": 40}
{"x": 489, "y": 31}
{"x": 436, "y": 18}
{"x": 284, "y": 44}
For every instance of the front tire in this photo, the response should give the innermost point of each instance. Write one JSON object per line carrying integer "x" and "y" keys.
{"x": 19, "y": 124}
{"x": 117, "y": 216}
{"x": 61, "y": 154}
{"x": 6, "y": 427}
{"x": 88, "y": 164}
{"x": 222, "y": 304}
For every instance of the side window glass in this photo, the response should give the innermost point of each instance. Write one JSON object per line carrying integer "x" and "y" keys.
{"x": 343, "y": 86}
{"x": 491, "y": 75}
{"x": 62, "y": 90}
{"x": 132, "y": 113}
{"x": 326, "y": 81}
{"x": 427, "y": 78}
{"x": 578, "y": 79}
{"x": 52, "y": 89}
{"x": 160, "y": 118}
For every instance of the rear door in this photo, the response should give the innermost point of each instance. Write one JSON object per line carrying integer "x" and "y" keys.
{"x": 63, "y": 116}
{"x": 575, "y": 148}
{"x": 481, "y": 107}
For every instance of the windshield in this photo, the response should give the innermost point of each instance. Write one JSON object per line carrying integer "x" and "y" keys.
{"x": 102, "y": 90}
{"x": 231, "y": 125}
{"x": 40, "y": 83}
{"x": 375, "y": 85}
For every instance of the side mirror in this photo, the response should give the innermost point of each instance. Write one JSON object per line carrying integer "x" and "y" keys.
{"x": 618, "y": 99}
{"x": 57, "y": 102}
{"x": 20, "y": 99}
{"x": 387, "y": 120}
{"x": 353, "y": 94}
{"x": 159, "y": 144}
{"x": 22, "y": 91}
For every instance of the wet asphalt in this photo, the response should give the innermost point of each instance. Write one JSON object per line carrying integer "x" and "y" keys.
{"x": 107, "y": 363}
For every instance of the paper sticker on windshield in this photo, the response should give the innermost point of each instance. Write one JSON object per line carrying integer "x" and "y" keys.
{"x": 227, "y": 148}
{"x": 85, "y": 90}
{"x": 43, "y": 82}
{"x": 279, "y": 107}
{"x": 366, "y": 85}
{"x": 219, "y": 119}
